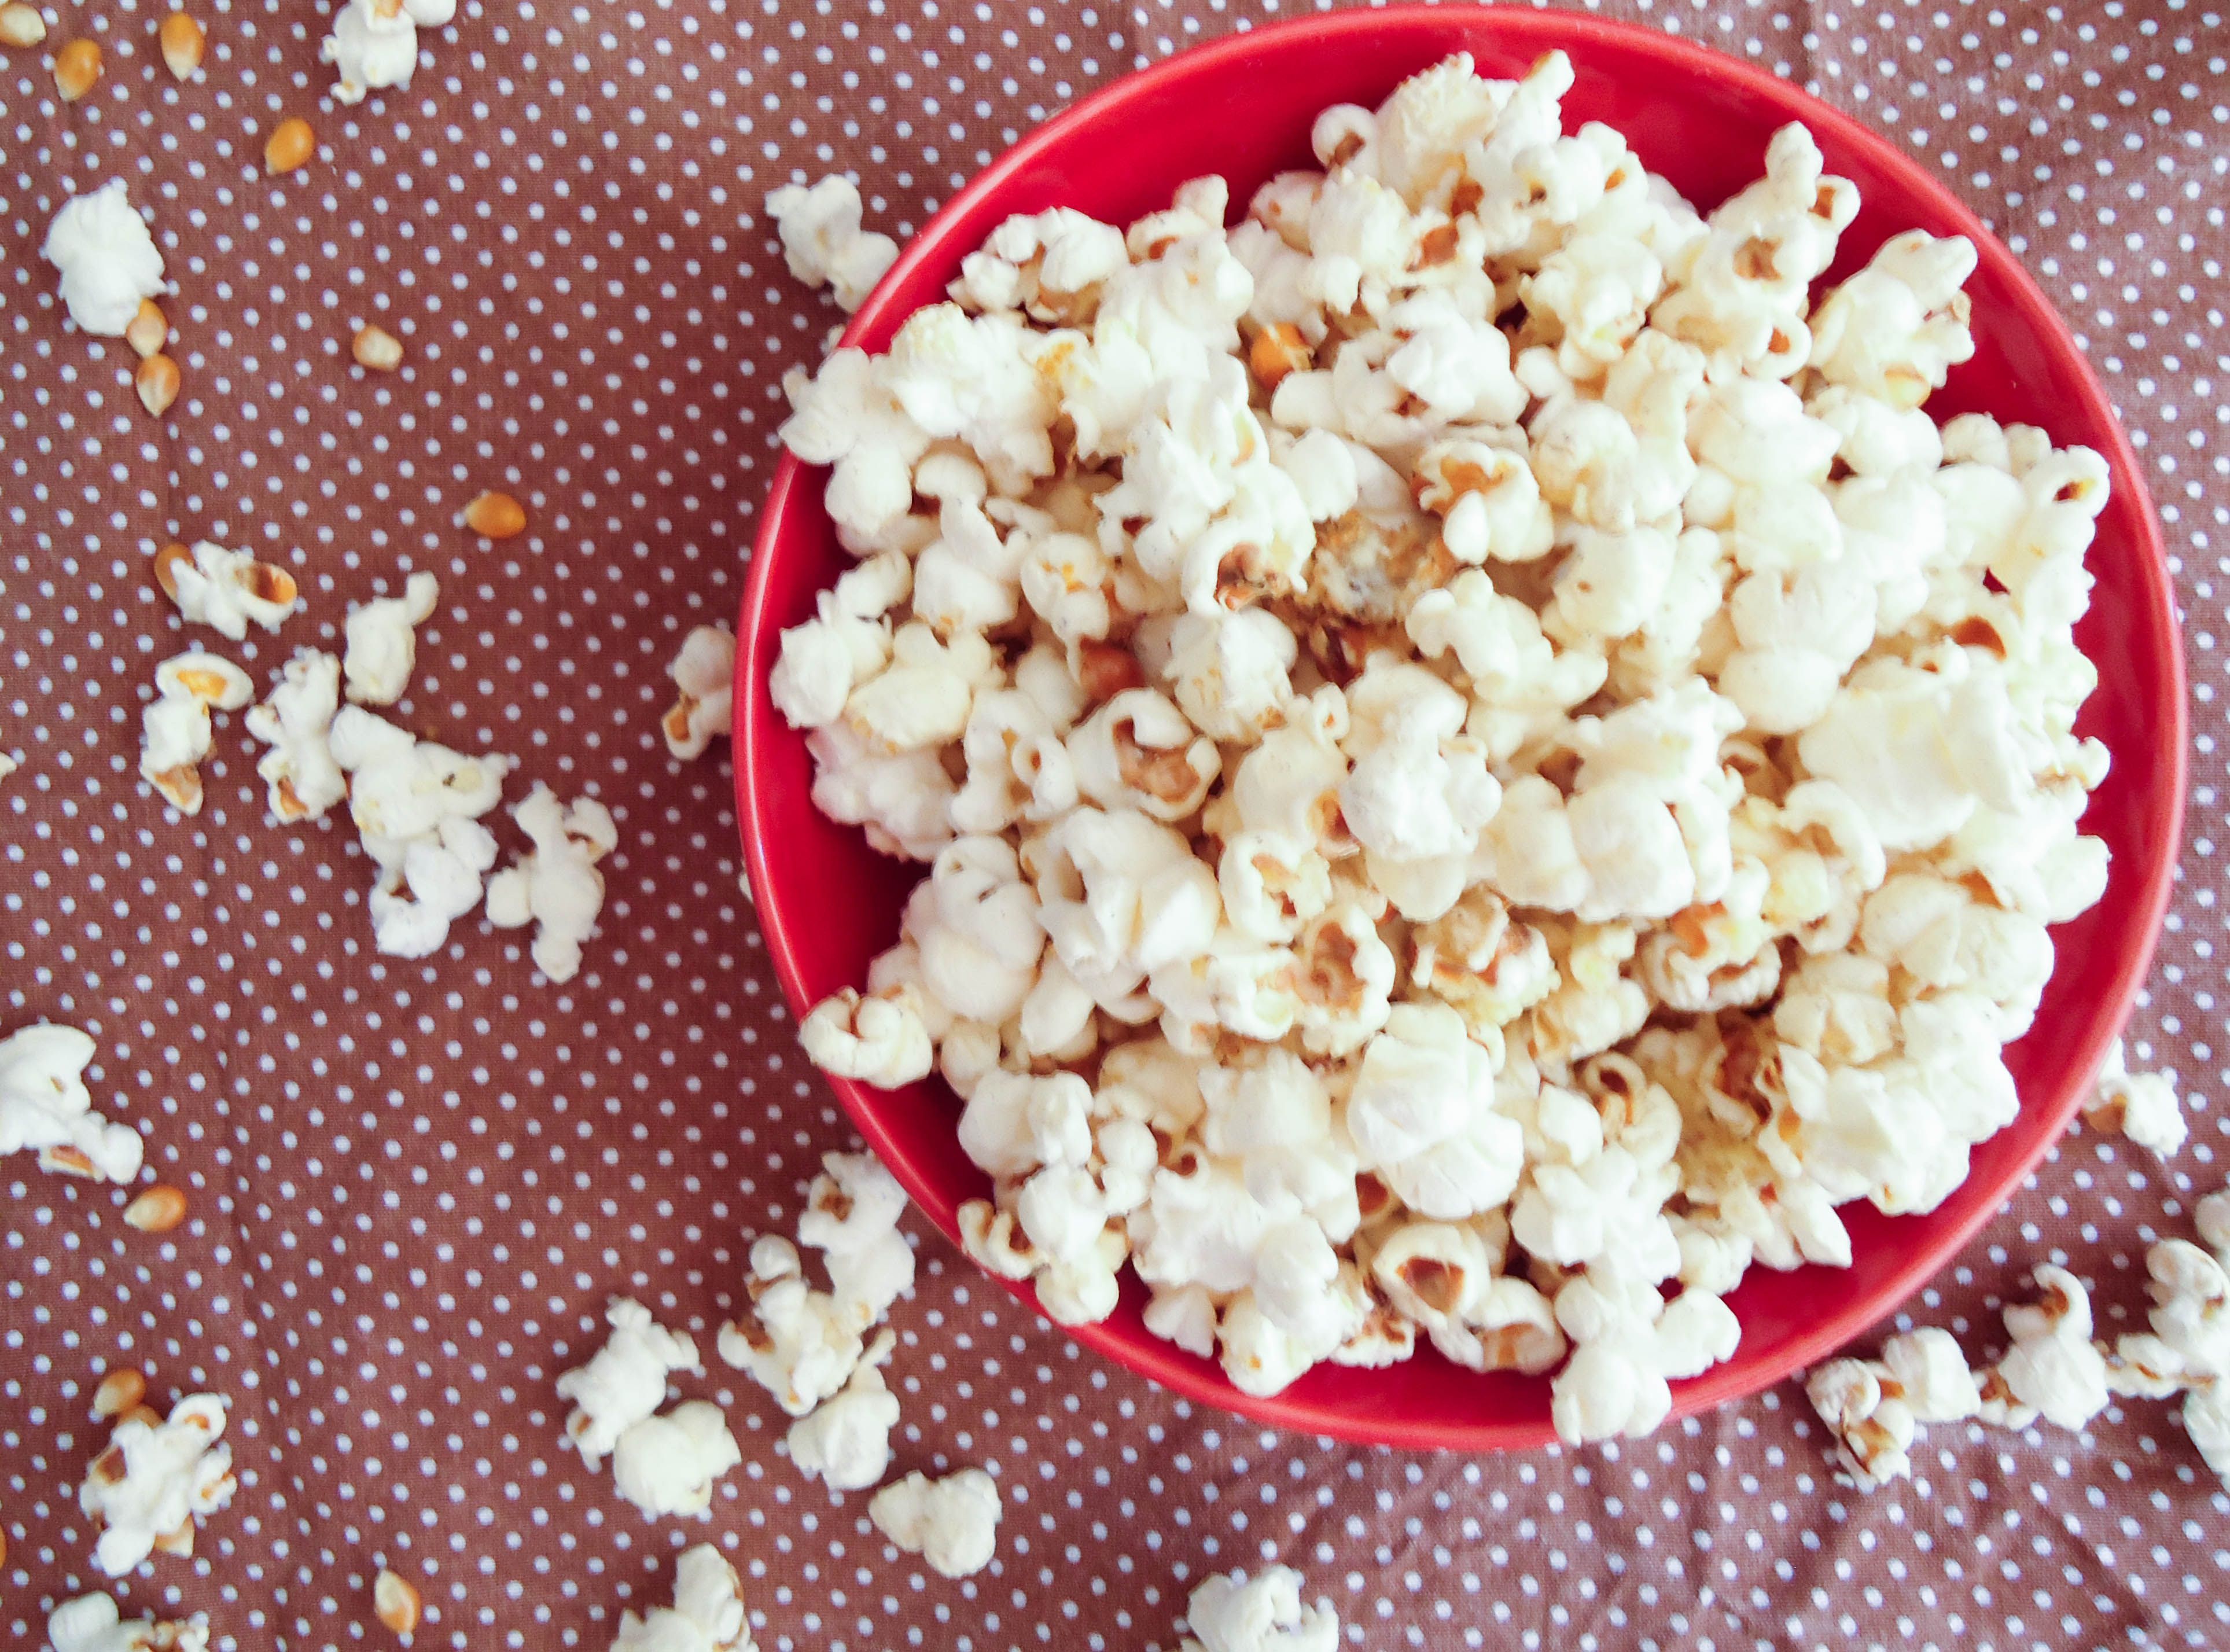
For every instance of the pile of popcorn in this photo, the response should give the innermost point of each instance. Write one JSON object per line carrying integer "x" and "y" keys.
{"x": 1485, "y": 766}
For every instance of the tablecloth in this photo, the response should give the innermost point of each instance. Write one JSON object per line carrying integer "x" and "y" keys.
{"x": 414, "y": 1183}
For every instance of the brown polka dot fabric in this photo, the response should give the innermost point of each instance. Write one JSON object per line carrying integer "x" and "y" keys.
{"x": 414, "y": 1183}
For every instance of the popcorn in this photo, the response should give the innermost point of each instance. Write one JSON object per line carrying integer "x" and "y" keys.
{"x": 2053, "y": 1367}
{"x": 625, "y": 1382}
{"x": 1896, "y": 328}
{"x": 798, "y": 1344}
{"x": 847, "y": 1440}
{"x": 224, "y": 590}
{"x": 702, "y": 675}
{"x": 1873, "y": 1426}
{"x": 1231, "y": 673}
{"x": 1228, "y": 1613}
{"x": 296, "y": 721}
{"x": 176, "y": 732}
{"x": 555, "y": 885}
{"x": 952, "y": 1523}
{"x": 707, "y": 1615}
{"x": 1458, "y": 712}
{"x": 1490, "y": 504}
{"x": 154, "y": 1479}
{"x": 1051, "y": 264}
{"x": 822, "y": 242}
{"x": 375, "y": 43}
{"x": 2141, "y": 1106}
{"x": 383, "y": 646}
{"x": 846, "y": 416}
{"x": 668, "y": 1464}
{"x": 417, "y": 806}
{"x": 902, "y": 798}
{"x": 94, "y": 1623}
{"x": 44, "y": 1105}
{"x": 1422, "y": 1114}
{"x": 1745, "y": 288}
{"x": 1139, "y": 752}
{"x": 107, "y": 257}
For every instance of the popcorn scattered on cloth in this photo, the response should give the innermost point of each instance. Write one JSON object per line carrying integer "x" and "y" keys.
{"x": 382, "y": 641}
{"x": 417, "y": 805}
{"x": 2188, "y": 1350}
{"x": 106, "y": 256}
{"x": 155, "y": 1478}
{"x": 2140, "y": 1106}
{"x": 375, "y": 43}
{"x": 1875, "y": 1408}
{"x": 296, "y": 721}
{"x": 1231, "y": 1612}
{"x": 704, "y": 674}
{"x": 802, "y": 1345}
{"x": 846, "y": 1441}
{"x": 668, "y": 1464}
{"x": 1225, "y": 606}
{"x": 951, "y": 1523}
{"x": 224, "y": 590}
{"x": 94, "y": 1623}
{"x": 45, "y": 1107}
{"x": 823, "y": 243}
{"x": 556, "y": 887}
{"x": 176, "y": 730}
{"x": 625, "y": 1381}
{"x": 707, "y": 1614}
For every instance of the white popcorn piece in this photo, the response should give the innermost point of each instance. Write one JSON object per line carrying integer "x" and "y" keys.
{"x": 2140, "y": 1106}
{"x": 374, "y": 43}
{"x": 879, "y": 1040}
{"x": 704, "y": 674}
{"x": 107, "y": 259}
{"x": 823, "y": 243}
{"x": 852, "y": 1203}
{"x": 1745, "y": 286}
{"x": 846, "y": 642}
{"x": 296, "y": 720}
{"x": 708, "y": 1614}
{"x": 1490, "y": 504}
{"x": 176, "y": 732}
{"x": 1422, "y": 1114}
{"x": 45, "y": 1107}
{"x": 418, "y": 807}
{"x": 1051, "y": 264}
{"x": 382, "y": 641}
{"x": 1932, "y": 1371}
{"x": 224, "y": 590}
{"x": 846, "y": 1442}
{"x": 2053, "y": 1367}
{"x": 1234, "y": 1613}
{"x": 555, "y": 885}
{"x": 1139, "y": 752}
{"x": 154, "y": 1479}
{"x": 1895, "y": 329}
{"x": 625, "y": 1381}
{"x": 94, "y": 1623}
{"x": 798, "y": 1344}
{"x": 951, "y": 1523}
{"x": 1873, "y": 1428}
{"x": 668, "y": 1464}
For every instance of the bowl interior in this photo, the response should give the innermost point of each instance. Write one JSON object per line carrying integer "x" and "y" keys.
{"x": 1243, "y": 109}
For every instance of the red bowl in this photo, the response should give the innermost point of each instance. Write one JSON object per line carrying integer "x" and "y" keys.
{"x": 1242, "y": 107}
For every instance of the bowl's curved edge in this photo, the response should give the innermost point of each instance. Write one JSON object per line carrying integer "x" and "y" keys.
{"x": 1199, "y": 1380}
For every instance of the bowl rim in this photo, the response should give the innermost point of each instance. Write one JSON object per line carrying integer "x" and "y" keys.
{"x": 1163, "y": 1363}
